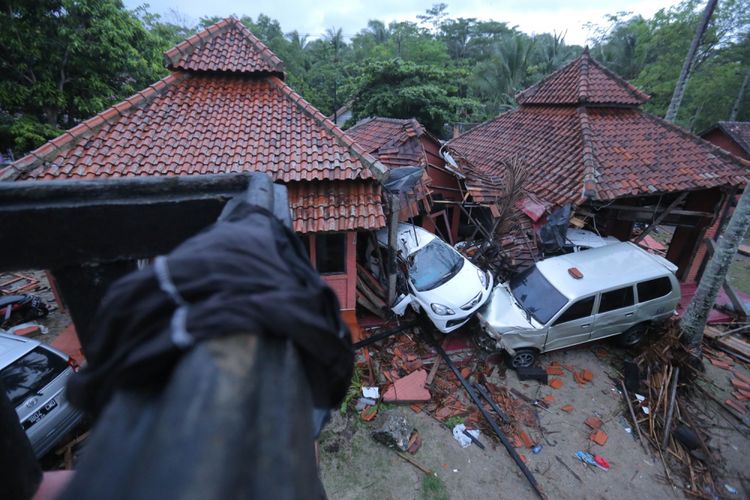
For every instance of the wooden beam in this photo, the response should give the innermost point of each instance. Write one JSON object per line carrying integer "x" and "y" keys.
{"x": 661, "y": 217}
{"x": 737, "y": 303}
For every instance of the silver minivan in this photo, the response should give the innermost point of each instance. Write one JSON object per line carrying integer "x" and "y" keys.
{"x": 34, "y": 376}
{"x": 617, "y": 289}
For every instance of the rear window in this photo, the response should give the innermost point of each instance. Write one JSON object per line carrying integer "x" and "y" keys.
{"x": 29, "y": 374}
{"x": 650, "y": 290}
{"x": 616, "y": 299}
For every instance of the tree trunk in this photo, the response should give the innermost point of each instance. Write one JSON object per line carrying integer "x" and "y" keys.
{"x": 679, "y": 90}
{"x": 740, "y": 95}
{"x": 694, "y": 320}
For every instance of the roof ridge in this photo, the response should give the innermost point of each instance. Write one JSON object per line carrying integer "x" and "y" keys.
{"x": 589, "y": 191}
{"x": 375, "y": 167}
{"x": 190, "y": 44}
{"x": 634, "y": 91}
{"x": 528, "y": 90}
{"x": 107, "y": 117}
{"x": 698, "y": 140}
{"x": 583, "y": 81}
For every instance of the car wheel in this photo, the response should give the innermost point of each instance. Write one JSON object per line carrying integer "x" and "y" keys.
{"x": 632, "y": 336}
{"x": 523, "y": 358}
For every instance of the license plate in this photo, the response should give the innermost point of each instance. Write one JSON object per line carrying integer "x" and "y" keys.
{"x": 39, "y": 414}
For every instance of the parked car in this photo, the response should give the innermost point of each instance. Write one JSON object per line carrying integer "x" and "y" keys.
{"x": 439, "y": 280}
{"x": 562, "y": 301}
{"x": 34, "y": 376}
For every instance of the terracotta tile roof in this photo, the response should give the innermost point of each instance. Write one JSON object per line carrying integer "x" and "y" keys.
{"x": 739, "y": 132}
{"x": 223, "y": 114}
{"x": 395, "y": 142}
{"x": 582, "y": 81}
{"x": 605, "y": 153}
{"x": 204, "y": 124}
{"x": 227, "y": 46}
{"x": 317, "y": 206}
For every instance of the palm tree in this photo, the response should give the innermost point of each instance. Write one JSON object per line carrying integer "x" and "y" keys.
{"x": 679, "y": 90}
{"x": 694, "y": 320}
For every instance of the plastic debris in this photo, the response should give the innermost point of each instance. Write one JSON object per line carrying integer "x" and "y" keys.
{"x": 730, "y": 489}
{"x": 646, "y": 409}
{"x": 640, "y": 398}
{"x": 371, "y": 392}
{"x": 587, "y": 458}
{"x": 463, "y": 439}
{"x": 537, "y": 448}
{"x": 601, "y": 462}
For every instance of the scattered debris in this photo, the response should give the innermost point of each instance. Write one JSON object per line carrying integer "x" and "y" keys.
{"x": 532, "y": 373}
{"x": 459, "y": 434}
{"x": 568, "y": 408}
{"x": 594, "y": 422}
{"x": 555, "y": 383}
{"x": 394, "y": 432}
{"x": 371, "y": 392}
{"x": 599, "y": 437}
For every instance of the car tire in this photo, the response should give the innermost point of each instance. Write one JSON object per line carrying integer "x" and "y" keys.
{"x": 523, "y": 358}
{"x": 632, "y": 336}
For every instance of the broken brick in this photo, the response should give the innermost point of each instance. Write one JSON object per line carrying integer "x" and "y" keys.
{"x": 549, "y": 398}
{"x": 741, "y": 377}
{"x": 369, "y": 413}
{"x": 593, "y": 422}
{"x": 517, "y": 443}
{"x": 523, "y": 458}
{"x": 720, "y": 364}
{"x": 527, "y": 442}
{"x": 740, "y": 397}
{"x": 587, "y": 375}
{"x": 554, "y": 370}
{"x": 567, "y": 408}
{"x": 466, "y": 372}
{"x": 555, "y": 383}
{"x": 416, "y": 408}
{"x": 408, "y": 389}
{"x": 28, "y": 330}
{"x": 739, "y": 384}
{"x": 599, "y": 437}
{"x": 579, "y": 379}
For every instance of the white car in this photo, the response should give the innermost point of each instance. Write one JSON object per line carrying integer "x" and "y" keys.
{"x": 581, "y": 239}
{"x": 441, "y": 281}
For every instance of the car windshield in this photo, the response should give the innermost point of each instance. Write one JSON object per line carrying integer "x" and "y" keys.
{"x": 28, "y": 375}
{"x": 536, "y": 295}
{"x": 433, "y": 265}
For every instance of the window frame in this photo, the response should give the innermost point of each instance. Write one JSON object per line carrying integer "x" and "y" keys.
{"x": 591, "y": 313}
{"x": 602, "y": 294}
{"x": 671, "y": 289}
{"x": 312, "y": 248}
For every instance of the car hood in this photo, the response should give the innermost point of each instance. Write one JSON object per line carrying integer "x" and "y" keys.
{"x": 502, "y": 313}
{"x": 456, "y": 292}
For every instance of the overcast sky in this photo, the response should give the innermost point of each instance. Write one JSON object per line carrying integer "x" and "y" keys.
{"x": 314, "y": 17}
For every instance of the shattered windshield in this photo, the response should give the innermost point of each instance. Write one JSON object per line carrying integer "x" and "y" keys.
{"x": 536, "y": 295}
{"x": 433, "y": 265}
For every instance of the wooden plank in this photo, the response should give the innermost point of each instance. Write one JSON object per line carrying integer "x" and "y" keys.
{"x": 735, "y": 344}
{"x": 661, "y": 217}
{"x": 744, "y": 250}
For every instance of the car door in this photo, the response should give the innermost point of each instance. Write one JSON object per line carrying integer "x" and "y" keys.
{"x": 572, "y": 326}
{"x": 616, "y": 312}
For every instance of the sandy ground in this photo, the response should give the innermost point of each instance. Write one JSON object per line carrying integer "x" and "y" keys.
{"x": 354, "y": 466}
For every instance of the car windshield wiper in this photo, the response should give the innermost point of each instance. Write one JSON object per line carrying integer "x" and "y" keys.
{"x": 523, "y": 307}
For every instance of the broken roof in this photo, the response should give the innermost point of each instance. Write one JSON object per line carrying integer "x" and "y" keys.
{"x": 389, "y": 139}
{"x": 225, "y": 110}
{"x": 582, "y": 137}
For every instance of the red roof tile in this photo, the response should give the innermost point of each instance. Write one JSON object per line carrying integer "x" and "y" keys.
{"x": 227, "y": 46}
{"x": 210, "y": 124}
{"x": 610, "y": 152}
{"x": 317, "y": 206}
{"x": 582, "y": 81}
{"x": 395, "y": 142}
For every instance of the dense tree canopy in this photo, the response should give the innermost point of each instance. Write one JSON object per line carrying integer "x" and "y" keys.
{"x": 64, "y": 60}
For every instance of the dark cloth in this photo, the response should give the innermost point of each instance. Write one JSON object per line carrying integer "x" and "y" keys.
{"x": 247, "y": 273}
{"x": 20, "y": 473}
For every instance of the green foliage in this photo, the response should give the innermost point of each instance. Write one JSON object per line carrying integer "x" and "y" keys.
{"x": 433, "y": 488}
{"x": 453, "y": 421}
{"x": 403, "y": 89}
{"x": 27, "y": 133}
{"x": 354, "y": 391}
{"x": 650, "y": 53}
{"x": 65, "y": 60}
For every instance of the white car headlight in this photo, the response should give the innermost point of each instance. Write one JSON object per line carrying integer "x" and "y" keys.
{"x": 442, "y": 310}
{"x": 482, "y": 278}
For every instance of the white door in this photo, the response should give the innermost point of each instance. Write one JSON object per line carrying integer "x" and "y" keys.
{"x": 572, "y": 326}
{"x": 616, "y": 312}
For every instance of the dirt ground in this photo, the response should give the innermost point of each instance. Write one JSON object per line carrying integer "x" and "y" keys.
{"x": 355, "y": 466}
